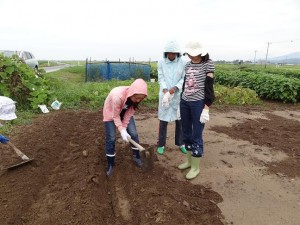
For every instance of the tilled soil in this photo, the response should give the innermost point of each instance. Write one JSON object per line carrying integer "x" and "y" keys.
{"x": 252, "y": 159}
{"x": 66, "y": 184}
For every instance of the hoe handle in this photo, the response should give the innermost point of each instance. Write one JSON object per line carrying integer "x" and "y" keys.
{"x": 19, "y": 153}
{"x": 141, "y": 148}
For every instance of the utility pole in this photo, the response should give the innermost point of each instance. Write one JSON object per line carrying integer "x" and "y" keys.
{"x": 254, "y": 56}
{"x": 267, "y": 54}
{"x": 279, "y": 42}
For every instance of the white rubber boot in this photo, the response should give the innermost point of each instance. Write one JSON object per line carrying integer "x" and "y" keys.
{"x": 186, "y": 164}
{"x": 195, "y": 168}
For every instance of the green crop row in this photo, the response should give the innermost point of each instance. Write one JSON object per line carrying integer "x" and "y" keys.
{"x": 275, "y": 87}
{"x": 235, "y": 96}
{"x": 287, "y": 71}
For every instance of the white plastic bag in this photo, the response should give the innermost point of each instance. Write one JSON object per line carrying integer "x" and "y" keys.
{"x": 56, "y": 105}
{"x": 43, "y": 108}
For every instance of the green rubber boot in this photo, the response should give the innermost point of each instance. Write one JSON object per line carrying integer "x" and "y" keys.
{"x": 182, "y": 149}
{"x": 160, "y": 150}
{"x": 195, "y": 168}
{"x": 186, "y": 164}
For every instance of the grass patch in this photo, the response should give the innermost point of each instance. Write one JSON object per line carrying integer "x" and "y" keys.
{"x": 69, "y": 88}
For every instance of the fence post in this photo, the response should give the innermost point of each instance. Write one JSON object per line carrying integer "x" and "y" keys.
{"x": 86, "y": 62}
{"x": 108, "y": 71}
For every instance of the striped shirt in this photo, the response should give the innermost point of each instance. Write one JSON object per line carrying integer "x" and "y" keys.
{"x": 194, "y": 83}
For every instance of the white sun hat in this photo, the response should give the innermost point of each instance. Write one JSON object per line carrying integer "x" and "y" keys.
{"x": 7, "y": 108}
{"x": 194, "y": 48}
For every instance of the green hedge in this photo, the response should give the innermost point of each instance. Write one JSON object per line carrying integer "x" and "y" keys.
{"x": 19, "y": 82}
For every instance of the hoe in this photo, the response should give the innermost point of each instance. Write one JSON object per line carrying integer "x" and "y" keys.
{"x": 24, "y": 158}
{"x": 147, "y": 155}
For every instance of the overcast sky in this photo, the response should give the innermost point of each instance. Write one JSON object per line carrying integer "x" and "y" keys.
{"x": 123, "y": 29}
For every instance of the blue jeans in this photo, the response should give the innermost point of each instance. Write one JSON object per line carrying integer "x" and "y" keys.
{"x": 192, "y": 128}
{"x": 110, "y": 135}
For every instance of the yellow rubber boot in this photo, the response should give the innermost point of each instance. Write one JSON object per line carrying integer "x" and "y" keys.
{"x": 195, "y": 168}
{"x": 186, "y": 164}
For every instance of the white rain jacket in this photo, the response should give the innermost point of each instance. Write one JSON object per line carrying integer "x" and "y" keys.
{"x": 170, "y": 74}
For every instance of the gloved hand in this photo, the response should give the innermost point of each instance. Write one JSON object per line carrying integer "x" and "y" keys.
{"x": 125, "y": 135}
{"x": 3, "y": 139}
{"x": 165, "y": 100}
{"x": 204, "y": 116}
{"x": 171, "y": 97}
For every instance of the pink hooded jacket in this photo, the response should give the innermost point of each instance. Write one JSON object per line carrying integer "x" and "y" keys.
{"x": 117, "y": 98}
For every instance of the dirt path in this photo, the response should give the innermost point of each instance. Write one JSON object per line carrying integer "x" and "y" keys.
{"x": 250, "y": 173}
{"x": 257, "y": 176}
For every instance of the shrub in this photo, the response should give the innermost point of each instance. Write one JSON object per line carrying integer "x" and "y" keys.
{"x": 19, "y": 82}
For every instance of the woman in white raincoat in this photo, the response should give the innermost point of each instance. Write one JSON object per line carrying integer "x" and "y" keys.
{"x": 170, "y": 77}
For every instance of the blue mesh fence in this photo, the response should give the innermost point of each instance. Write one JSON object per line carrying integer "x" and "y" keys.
{"x": 116, "y": 70}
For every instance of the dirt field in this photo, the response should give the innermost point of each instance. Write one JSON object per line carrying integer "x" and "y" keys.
{"x": 250, "y": 172}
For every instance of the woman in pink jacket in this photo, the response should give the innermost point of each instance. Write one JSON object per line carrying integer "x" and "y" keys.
{"x": 118, "y": 110}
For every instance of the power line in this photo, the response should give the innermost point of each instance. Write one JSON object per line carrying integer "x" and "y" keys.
{"x": 286, "y": 41}
{"x": 278, "y": 42}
